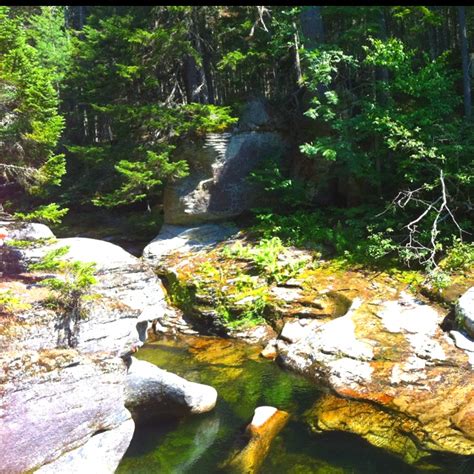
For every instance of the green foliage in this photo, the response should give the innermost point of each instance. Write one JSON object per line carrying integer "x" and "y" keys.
{"x": 29, "y": 102}
{"x": 25, "y": 244}
{"x": 267, "y": 258}
{"x": 460, "y": 256}
{"x": 73, "y": 282}
{"x": 9, "y": 303}
{"x": 49, "y": 213}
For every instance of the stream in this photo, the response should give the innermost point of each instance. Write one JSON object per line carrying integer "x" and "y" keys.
{"x": 244, "y": 381}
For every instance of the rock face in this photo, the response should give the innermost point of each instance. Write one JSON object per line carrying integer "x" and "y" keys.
{"x": 216, "y": 188}
{"x": 465, "y": 312}
{"x": 152, "y": 393}
{"x": 62, "y": 378}
{"x": 406, "y": 386}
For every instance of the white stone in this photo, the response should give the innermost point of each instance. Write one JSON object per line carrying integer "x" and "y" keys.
{"x": 461, "y": 341}
{"x": 262, "y": 415}
{"x": 465, "y": 311}
{"x": 409, "y": 315}
{"x": 173, "y": 238}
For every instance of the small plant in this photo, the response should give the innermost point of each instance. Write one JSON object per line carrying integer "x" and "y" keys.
{"x": 50, "y": 213}
{"x": 459, "y": 257}
{"x": 266, "y": 256}
{"x": 25, "y": 244}
{"x": 72, "y": 284}
{"x": 10, "y": 303}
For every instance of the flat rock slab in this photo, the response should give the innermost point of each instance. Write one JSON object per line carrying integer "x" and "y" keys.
{"x": 393, "y": 356}
{"x": 182, "y": 239}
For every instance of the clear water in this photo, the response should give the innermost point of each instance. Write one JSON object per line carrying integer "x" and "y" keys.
{"x": 244, "y": 381}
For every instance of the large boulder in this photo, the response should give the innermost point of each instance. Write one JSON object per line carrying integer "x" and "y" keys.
{"x": 465, "y": 312}
{"x": 405, "y": 386}
{"x": 63, "y": 375}
{"x": 152, "y": 393}
{"x": 125, "y": 299}
{"x": 55, "y": 401}
{"x": 217, "y": 187}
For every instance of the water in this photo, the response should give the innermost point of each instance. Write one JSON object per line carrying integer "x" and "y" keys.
{"x": 244, "y": 381}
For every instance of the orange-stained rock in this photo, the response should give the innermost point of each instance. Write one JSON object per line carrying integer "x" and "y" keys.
{"x": 267, "y": 422}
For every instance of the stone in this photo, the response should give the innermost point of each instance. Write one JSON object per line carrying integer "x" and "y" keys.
{"x": 259, "y": 334}
{"x": 127, "y": 297}
{"x": 404, "y": 384}
{"x": 294, "y": 331}
{"x": 266, "y": 423}
{"x": 26, "y": 231}
{"x": 465, "y": 312}
{"x": 62, "y": 377}
{"x": 183, "y": 239}
{"x": 270, "y": 351}
{"x": 152, "y": 393}
{"x": 100, "y": 455}
{"x": 217, "y": 188}
{"x": 461, "y": 341}
{"x": 54, "y": 401}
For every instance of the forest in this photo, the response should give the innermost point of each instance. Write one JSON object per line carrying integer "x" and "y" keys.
{"x": 376, "y": 101}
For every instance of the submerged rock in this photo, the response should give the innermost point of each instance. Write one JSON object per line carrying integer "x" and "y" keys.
{"x": 152, "y": 393}
{"x": 266, "y": 423}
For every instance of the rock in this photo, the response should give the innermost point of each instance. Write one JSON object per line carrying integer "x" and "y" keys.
{"x": 217, "y": 187}
{"x": 100, "y": 455}
{"x": 127, "y": 297}
{"x": 399, "y": 369}
{"x": 293, "y": 331}
{"x": 182, "y": 239}
{"x": 255, "y": 335}
{"x": 152, "y": 393}
{"x": 461, "y": 341}
{"x": 465, "y": 312}
{"x": 26, "y": 231}
{"x": 266, "y": 423}
{"x": 270, "y": 351}
{"x": 62, "y": 381}
{"x": 54, "y": 401}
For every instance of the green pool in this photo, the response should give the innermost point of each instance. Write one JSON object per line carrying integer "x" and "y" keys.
{"x": 200, "y": 444}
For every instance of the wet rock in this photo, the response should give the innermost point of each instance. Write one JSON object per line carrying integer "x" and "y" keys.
{"x": 465, "y": 312}
{"x": 407, "y": 373}
{"x": 266, "y": 423}
{"x": 152, "y": 393}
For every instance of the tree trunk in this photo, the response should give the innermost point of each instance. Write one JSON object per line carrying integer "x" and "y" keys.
{"x": 465, "y": 62}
